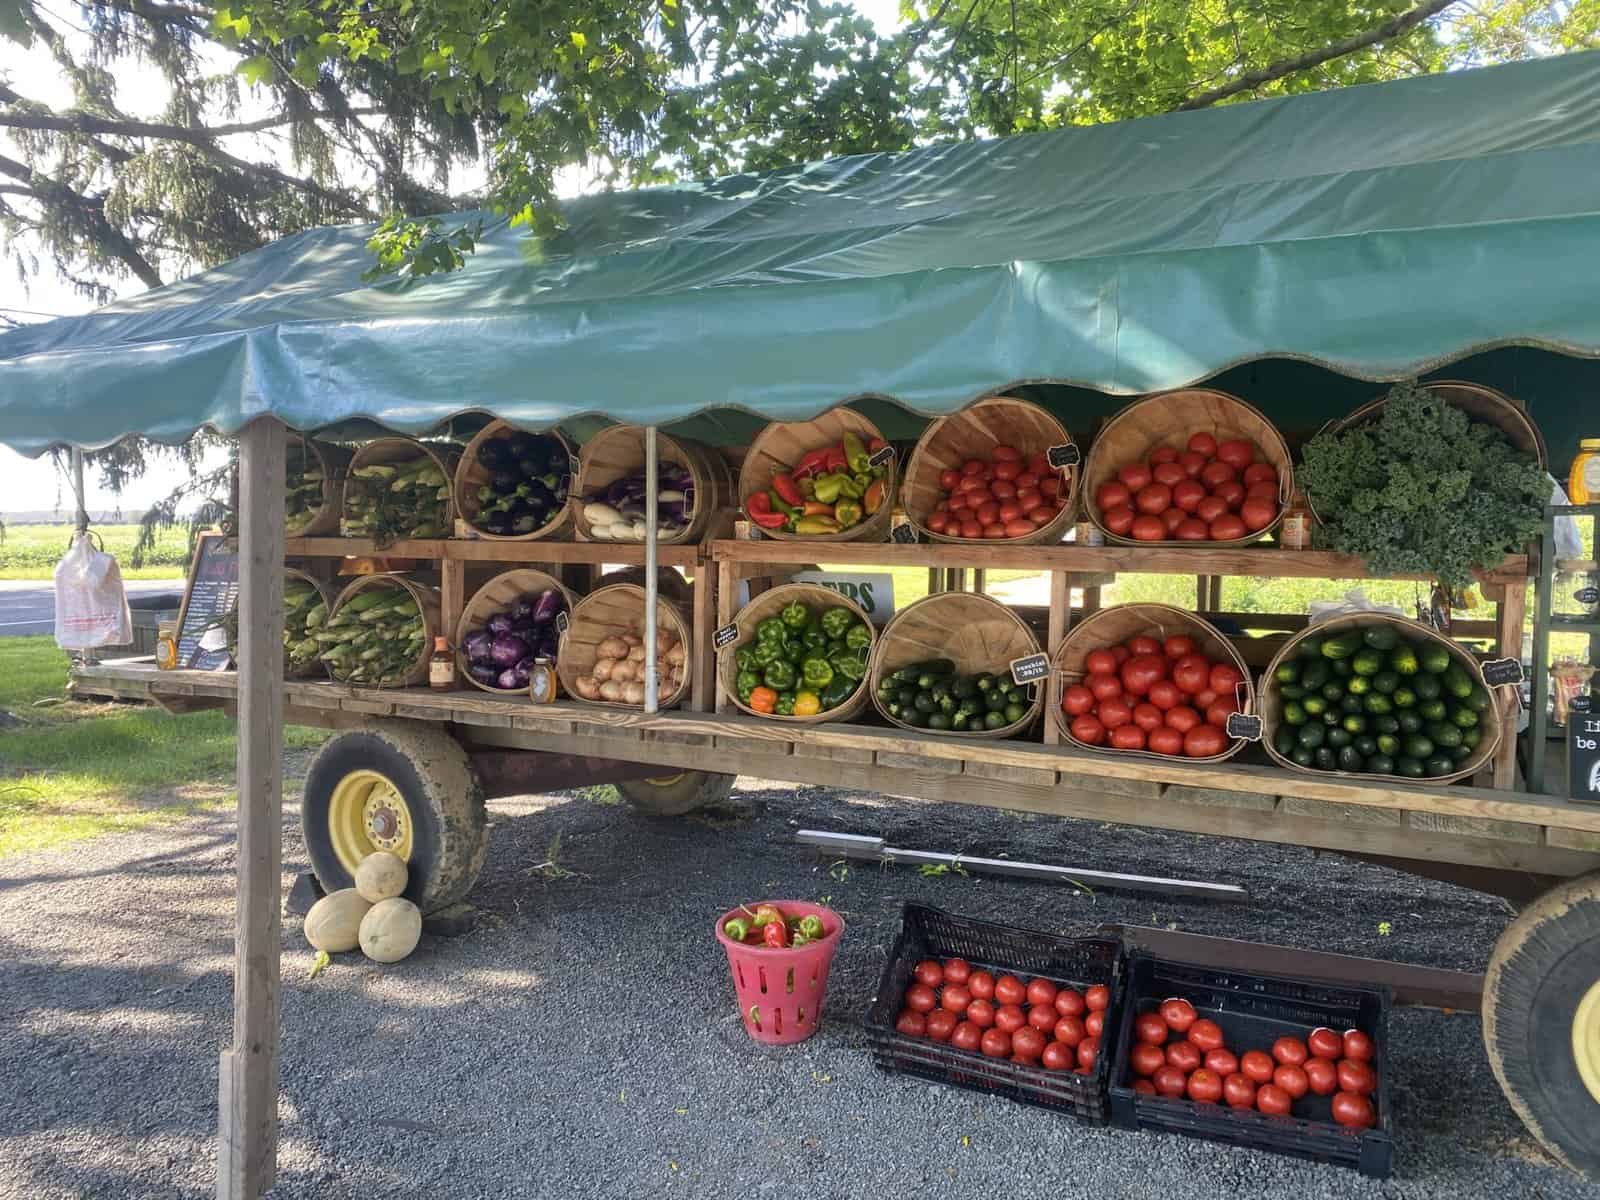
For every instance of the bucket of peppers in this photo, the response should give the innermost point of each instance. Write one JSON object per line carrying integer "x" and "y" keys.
{"x": 779, "y": 952}
{"x": 830, "y": 491}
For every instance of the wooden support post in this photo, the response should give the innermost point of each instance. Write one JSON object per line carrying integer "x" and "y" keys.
{"x": 452, "y": 595}
{"x": 1060, "y": 621}
{"x": 702, "y": 688}
{"x": 1509, "y": 613}
{"x": 247, "y": 1118}
{"x": 727, "y": 597}
{"x": 979, "y": 579}
{"x": 1091, "y": 600}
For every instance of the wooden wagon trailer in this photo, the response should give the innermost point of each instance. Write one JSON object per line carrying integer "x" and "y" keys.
{"x": 1290, "y": 252}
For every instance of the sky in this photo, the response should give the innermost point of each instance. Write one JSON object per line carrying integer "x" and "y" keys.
{"x": 25, "y": 484}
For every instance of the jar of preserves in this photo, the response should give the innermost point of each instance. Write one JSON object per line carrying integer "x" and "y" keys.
{"x": 1583, "y": 481}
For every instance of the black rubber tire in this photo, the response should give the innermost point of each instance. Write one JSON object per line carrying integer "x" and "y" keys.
{"x": 1543, "y": 966}
{"x": 436, "y": 779}
{"x": 678, "y": 794}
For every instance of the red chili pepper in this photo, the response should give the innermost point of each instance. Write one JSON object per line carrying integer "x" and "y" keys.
{"x": 775, "y": 934}
{"x": 757, "y": 502}
{"x": 769, "y": 520}
{"x": 787, "y": 489}
{"x": 875, "y": 444}
{"x": 836, "y": 460}
{"x": 810, "y": 463}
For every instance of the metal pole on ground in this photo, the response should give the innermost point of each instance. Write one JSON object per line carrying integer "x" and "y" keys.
{"x": 247, "y": 1111}
{"x": 650, "y": 589}
{"x": 80, "y": 516}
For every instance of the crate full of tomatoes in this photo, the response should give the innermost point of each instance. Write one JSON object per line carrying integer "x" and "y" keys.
{"x": 1269, "y": 1063}
{"x": 1005, "y": 495}
{"x": 1208, "y": 491}
{"x": 993, "y": 1008}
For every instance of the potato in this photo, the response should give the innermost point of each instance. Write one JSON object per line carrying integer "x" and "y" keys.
{"x": 611, "y": 690}
{"x": 612, "y": 647}
{"x": 633, "y": 693}
{"x": 588, "y": 689}
{"x": 603, "y": 668}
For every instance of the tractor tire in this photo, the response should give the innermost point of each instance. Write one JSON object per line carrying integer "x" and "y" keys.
{"x": 678, "y": 794}
{"x": 402, "y": 786}
{"x": 1541, "y": 1020}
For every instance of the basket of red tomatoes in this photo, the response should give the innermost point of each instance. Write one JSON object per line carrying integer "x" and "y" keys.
{"x": 1151, "y": 679}
{"x": 1266, "y": 1062}
{"x": 994, "y": 1008}
{"x": 1184, "y": 468}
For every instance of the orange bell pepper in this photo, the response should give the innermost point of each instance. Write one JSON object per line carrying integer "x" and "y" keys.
{"x": 872, "y": 498}
{"x": 763, "y": 699}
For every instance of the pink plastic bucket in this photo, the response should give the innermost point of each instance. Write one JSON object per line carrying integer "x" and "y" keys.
{"x": 780, "y": 991}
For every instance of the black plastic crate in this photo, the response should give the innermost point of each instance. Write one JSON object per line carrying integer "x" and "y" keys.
{"x": 1254, "y": 1011}
{"x": 1081, "y": 962}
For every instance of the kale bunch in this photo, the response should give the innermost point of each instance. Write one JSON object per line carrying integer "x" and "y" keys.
{"x": 1424, "y": 489}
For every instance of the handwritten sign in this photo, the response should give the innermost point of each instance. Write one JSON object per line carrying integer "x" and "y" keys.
{"x": 1583, "y": 756}
{"x": 1502, "y": 670}
{"x": 562, "y": 624}
{"x": 209, "y": 599}
{"x": 726, "y": 636}
{"x": 1029, "y": 668}
{"x": 1246, "y": 726}
{"x": 882, "y": 457}
{"x": 1061, "y": 457}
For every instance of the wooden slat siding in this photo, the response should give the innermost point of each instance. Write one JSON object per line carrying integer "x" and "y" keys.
{"x": 248, "y": 1086}
{"x": 467, "y": 550}
{"x": 452, "y": 599}
{"x": 1060, "y": 621}
{"x": 702, "y": 680}
{"x": 1509, "y": 614}
{"x": 727, "y": 604}
{"x": 1573, "y": 839}
{"x": 1104, "y": 772}
{"x": 1220, "y": 798}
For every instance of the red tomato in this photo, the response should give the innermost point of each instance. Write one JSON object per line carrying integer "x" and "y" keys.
{"x": 1237, "y": 453}
{"x": 949, "y": 479}
{"x": 1134, "y": 476}
{"x": 996, "y": 1043}
{"x": 1209, "y": 509}
{"x": 1003, "y": 490}
{"x": 1070, "y": 1031}
{"x": 911, "y": 1023}
{"x": 1007, "y": 470}
{"x": 1142, "y": 672}
{"x": 1260, "y": 473}
{"x": 1077, "y": 700}
{"x": 1192, "y": 673}
{"x": 1097, "y": 998}
{"x": 1204, "y": 741}
{"x": 1165, "y": 694}
{"x": 1019, "y": 527}
{"x": 1169, "y": 1081}
{"x": 1355, "y": 1075}
{"x": 1179, "y": 1014}
{"x": 1121, "y": 653}
{"x": 1239, "y": 1091}
{"x": 1205, "y": 1087}
{"x": 989, "y": 512}
{"x": 1204, "y": 700}
{"x": 1153, "y": 499}
{"x": 1028, "y": 499}
{"x": 1115, "y": 713}
{"x": 1178, "y": 646}
{"x": 1119, "y": 520}
{"x": 1203, "y": 443}
{"x": 1258, "y": 514}
{"x": 1192, "y": 463}
{"x": 1165, "y": 740}
{"x": 1142, "y": 644}
{"x": 1087, "y": 1051}
{"x": 1223, "y": 1061}
{"x": 1069, "y": 1003}
{"x": 1216, "y": 473}
{"x": 971, "y": 529}
{"x": 1184, "y": 1055}
{"x": 1325, "y": 1043}
{"x": 981, "y": 985}
{"x": 1127, "y": 737}
{"x": 1262, "y": 491}
{"x": 1206, "y": 1034}
{"x": 957, "y": 970}
{"x": 1144, "y": 1087}
{"x": 1292, "y": 1080}
{"x": 1183, "y": 719}
{"x": 921, "y": 998}
{"x": 1224, "y": 678}
{"x": 1163, "y": 454}
{"x": 1100, "y": 662}
{"x": 1230, "y": 493}
{"x": 1058, "y": 1057}
{"x": 1257, "y": 1065}
{"x": 1168, "y": 474}
{"x": 1042, "y": 991}
{"x": 1150, "y": 1028}
{"x": 1146, "y": 1059}
{"x": 1226, "y": 528}
{"x": 1353, "y": 1112}
{"x": 1088, "y": 730}
{"x": 957, "y": 503}
{"x": 1357, "y": 1045}
{"x": 1172, "y": 518}
{"x": 966, "y": 1036}
{"x": 1192, "y": 529}
{"x": 1003, "y": 453}
{"x": 1290, "y": 1051}
{"x": 955, "y": 998}
{"x": 1148, "y": 529}
{"x": 1043, "y": 1017}
{"x": 1188, "y": 494}
{"x": 1218, "y": 712}
{"x": 1094, "y": 1024}
{"x": 1051, "y": 486}
{"x": 1009, "y": 1018}
{"x": 1028, "y": 479}
{"x": 929, "y": 971}
{"x": 981, "y": 1013}
{"x": 1273, "y": 1100}
{"x": 994, "y": 530}
{"x": 940, "y": 1024}
{"x": 938, "y": 522}
{"x": 1009, "y": 511}
{"x": 1027, "y": 1043}
{"x": 1322, "y": 1076}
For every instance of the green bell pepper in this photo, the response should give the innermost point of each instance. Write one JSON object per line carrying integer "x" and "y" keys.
{"x": 836, "y": 646}
{"x": 855, "y": 453}
{"x": 847, "y": 512}
{"x": 785, "y": 705}
{"x": 813, "y": 639}
{"x": 858, "y": 635}
{"x": 836, "y": 622}
{"x": 816, "y": 672}
{"x": 795, "y": 616}
{"x": 768, "y": 652}
{"x": 745, "y": 658}
{"x": 831, "y": 486}
{"x": 747, "y": 682}
{"x": 794, "y": 652}
{"x": 772, "y": 630}
{"x": 837, "y": 692}
{"x": 850, "y": 664}
{"x": 780, "y": 675}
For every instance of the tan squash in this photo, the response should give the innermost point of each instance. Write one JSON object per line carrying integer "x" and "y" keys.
{"x": 391, "y": 930}
{"x": 334, "y": 922}
{"x": 381, "y": 876}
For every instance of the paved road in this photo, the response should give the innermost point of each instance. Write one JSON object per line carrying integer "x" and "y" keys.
{"x": 28, "y": 606}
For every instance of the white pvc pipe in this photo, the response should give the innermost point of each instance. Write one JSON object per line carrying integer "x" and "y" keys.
{"x": 81, "y": 515}
{"x": 650, "y": 569}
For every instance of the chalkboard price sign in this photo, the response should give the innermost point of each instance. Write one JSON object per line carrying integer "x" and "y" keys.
{"x": 562, "y": 624}
{"x": 1244, "y": 725}
{"x": 726, "y": 636}
{"x": 1583, "y": 756}
{"x": 209, "y": 600}
{"x": 882, "y": 457}
{"x": 1502, "y": 670}
{"x": 1029, "y": 668}
{"x": 1063, "y": 456}
{"x": 904, "y": 533}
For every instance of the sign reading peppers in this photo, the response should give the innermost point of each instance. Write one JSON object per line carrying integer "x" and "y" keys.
{"x": 827, "y": 491}
{"x": 802, "y": 662}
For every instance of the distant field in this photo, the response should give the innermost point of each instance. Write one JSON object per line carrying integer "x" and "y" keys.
{"x": 32, "y": 551}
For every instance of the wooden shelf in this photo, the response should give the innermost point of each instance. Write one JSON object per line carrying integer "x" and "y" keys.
{"x": 484, "y": 550}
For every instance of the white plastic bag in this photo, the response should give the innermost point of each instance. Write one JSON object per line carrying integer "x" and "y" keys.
{"x": 1355, "y": 601}
{"x": 91, "y": 606}
{"x": 1569, "y": 539}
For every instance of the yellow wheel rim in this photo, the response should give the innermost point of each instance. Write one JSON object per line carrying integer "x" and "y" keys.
{"x": 1586, "y": 1040}
{"x": 662, "y": 781}
{"x": 367, "y": 813}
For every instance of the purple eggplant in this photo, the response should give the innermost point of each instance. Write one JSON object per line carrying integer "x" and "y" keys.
{"x": 549, "y": 604}
{"x": 499, "y": 625}
{"x": 522, "y": 609}
{"x": 508, "y": 651}
{"x": 513, "y": 678}
{"x": 484, "y": 673}
{"x": 479, "y": 644}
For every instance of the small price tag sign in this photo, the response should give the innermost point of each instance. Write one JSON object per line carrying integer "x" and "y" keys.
{"x": 562, "y": 624}
{"x": 882, "y": 457}
{"x": 1061, "y": 457}
{"x": 726, "y": 636}
{"x": 572, "y": 465}
{"x": 1244, "y": 725}
{"x": 1501, "y": 671}
{"x": 904, "y": 533}
{"x": 1029, "y": 669}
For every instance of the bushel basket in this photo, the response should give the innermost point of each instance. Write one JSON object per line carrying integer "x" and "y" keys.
{"x": 383, "y": 514}
{"x": 974, "y": 432}
{"x": 615, "y": 611}
{"x": 303, "y": 455}
{"x": 769, "y": 604}
{"x": 376, "y": 623}
{"x": 1111, "y": 627}
{"x": 471, "y": 474}
{"x": 1171, "y": 419}
{"x": 1491, "y": 719}
{"x": 780, "y": 447}
{"x": 327, "y": 597}
{"x": 617, "y": 452}
{"x": 498, "y": 595}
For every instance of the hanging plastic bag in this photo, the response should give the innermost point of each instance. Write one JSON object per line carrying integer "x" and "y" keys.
{"x": 91, "y": 606}
{"x": 1355, "y": 601}
{"x": 1569, "y": 538}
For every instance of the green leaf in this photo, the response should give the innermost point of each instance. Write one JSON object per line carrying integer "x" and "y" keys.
{"x": 257, "y": 70}
{"x": 579, "y": 41}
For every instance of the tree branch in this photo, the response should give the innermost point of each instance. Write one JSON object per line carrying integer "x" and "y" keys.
{"x": 1404, "y": 23}
{"x": 112, "y": 239}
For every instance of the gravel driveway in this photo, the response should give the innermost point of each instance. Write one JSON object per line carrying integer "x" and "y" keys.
{"x": 582, "y": 1041}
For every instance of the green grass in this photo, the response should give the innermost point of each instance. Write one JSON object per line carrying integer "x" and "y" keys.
{"x": 32, "y": 551}
{"x": 78, "y": 770}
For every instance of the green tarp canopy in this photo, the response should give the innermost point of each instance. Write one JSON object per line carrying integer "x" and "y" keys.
{"x": 1374, "y": 232}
